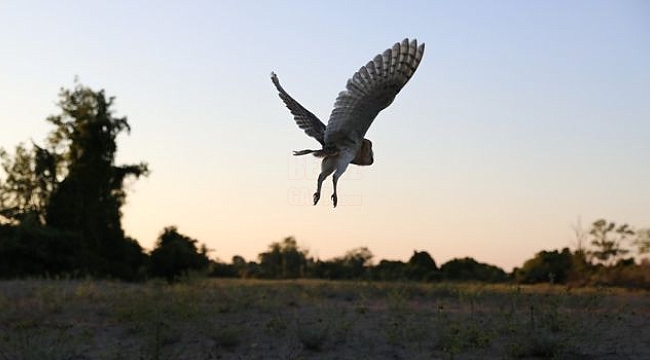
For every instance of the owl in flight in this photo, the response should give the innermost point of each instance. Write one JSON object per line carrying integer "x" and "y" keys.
{"x": 369, "y": 91}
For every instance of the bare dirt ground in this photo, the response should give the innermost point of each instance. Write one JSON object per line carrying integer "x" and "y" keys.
{"x": 249, "y": 319}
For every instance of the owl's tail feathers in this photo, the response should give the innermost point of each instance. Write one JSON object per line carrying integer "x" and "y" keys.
{"x": 317, "y": 153}
{"x": 304, "y": 152}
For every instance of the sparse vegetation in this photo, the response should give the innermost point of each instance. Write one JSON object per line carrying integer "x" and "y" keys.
{"x": 302, "y": 319}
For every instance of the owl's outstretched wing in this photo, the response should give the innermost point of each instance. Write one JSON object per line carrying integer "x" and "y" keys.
{"x": 370, "y": 90}
{"x": 303, "y": 117}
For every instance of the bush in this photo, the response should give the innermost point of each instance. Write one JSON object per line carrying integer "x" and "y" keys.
{"x": 547, "y": 266}
{"x": 175, "y": 255}
{"x": 624, "y": 274}
{"x": 31, "y": 249}
{"x": 421, "y": 266}
{"x": 468, "y": 269}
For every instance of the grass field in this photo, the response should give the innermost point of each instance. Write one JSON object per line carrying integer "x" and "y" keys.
{"x": 250, "y": 319}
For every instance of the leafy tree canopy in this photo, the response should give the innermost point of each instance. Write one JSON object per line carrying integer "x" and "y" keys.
{"x": 546, "y": 266}
{"x": 609, "y": 240}
{"x": 283, "y": 260}
{"x": 72, "y": 184}
{"x": 468, "y": 269}
{"x": 175, "y": 255}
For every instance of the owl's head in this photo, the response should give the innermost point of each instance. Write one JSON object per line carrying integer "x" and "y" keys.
{"x": 364, "y": 155}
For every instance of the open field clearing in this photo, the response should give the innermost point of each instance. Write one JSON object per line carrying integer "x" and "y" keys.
{"x": 249, "y": 319}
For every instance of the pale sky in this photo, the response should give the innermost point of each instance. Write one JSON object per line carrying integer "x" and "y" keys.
{"x": 523, "y": 116}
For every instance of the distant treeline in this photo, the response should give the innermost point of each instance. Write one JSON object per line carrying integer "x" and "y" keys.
{"x": 285, "y": 260}
{"x": 60, "y": 216}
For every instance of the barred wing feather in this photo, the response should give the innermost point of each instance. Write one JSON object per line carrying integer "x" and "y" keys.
{"x": 303, "y": 117}
{"x": 370, "y": 90}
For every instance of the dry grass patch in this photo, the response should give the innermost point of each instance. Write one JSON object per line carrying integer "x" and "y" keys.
{"x": 248, "y": 319}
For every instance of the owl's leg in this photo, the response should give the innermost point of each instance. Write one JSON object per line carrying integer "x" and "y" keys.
{"x": 321, "y": 178}
{"x": 327, "y": 167}
{"x": 335, "y": 198}
{"x": 335, "y": 179}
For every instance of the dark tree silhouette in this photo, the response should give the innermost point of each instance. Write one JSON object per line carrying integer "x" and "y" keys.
{"x": 468, "y": 269}
{"x": 283, "y": 260}
{"x": 421, "y": 266}
{"x": 547, "y": 266}
{"x": 29, "y": 249}
{"x": 353, "y": 265}
{"x": 27, "y": 246}
{"x": 356, "y": 262}
{"x": 642, "y": 241}
{"x": 389, "y": 270}
{"x": 175, "y": 255}
{"x": 72, "y": 185}
{"x": 609, "y": 241}
{"x": 31, "y": 176}
{"x": 89, "y": 198}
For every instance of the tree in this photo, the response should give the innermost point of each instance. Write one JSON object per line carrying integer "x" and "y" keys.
{"x": 72, "y": 184}
{"x": 356, "y": 261}
{"x": 468, "y": 269}
{"x": 27, "y": 246}
{"x": 642, "y": 241}
{"x": 89, "y": 198}
{"x": 353, "y": 265}
{"x": 546, "y": 266}
{"x": 31, "y": 249}
{"x": 608, "y": 241}
{"x": 389, "y": 270}
{"x": 421, "y": 266}
{"x": 30, "y": 179}
{"x": 240, "y": 266}
{"x": 283, "y": 260}
{"x": 175, "y": 255}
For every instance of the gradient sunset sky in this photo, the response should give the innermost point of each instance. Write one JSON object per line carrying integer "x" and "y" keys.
{"x": 523, "y": 117}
